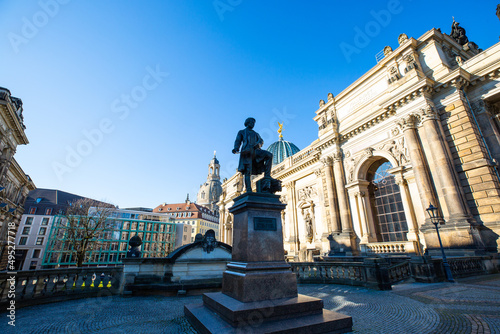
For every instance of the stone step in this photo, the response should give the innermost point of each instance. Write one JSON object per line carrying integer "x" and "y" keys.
{"x": 205, "y": 321}
{"x": 236, "y": 312}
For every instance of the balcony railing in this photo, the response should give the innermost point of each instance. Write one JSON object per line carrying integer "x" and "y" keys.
{"x": 397, "y": 247}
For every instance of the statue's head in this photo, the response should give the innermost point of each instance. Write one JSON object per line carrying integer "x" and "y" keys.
{"x": 250, "y": 122}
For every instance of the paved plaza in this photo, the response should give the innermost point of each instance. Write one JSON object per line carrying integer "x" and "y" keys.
{"x": 472, "y": 305}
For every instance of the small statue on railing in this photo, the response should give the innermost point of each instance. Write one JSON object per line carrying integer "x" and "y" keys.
{"x": 135, "y": 242}
{"x": 254, "y": 160}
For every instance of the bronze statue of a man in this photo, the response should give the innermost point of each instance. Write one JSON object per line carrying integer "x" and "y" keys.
{"x": 253, "y": 160}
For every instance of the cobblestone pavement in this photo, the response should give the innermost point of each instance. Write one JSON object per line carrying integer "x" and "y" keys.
{"x": 470, "y": 306}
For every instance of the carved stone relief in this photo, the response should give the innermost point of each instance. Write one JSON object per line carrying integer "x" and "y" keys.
{"x": 394, "y": 74}
{"x": 397, "y": 149}
{"x": 428, "y": 112}
{"x": 411, "y": 62}
{"x": 307, "y": 193}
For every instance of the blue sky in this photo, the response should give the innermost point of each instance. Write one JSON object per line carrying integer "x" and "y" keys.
{"x": 126, "y": 101}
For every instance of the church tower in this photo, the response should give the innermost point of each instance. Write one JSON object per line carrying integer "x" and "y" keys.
{"x": 210, "y": 191}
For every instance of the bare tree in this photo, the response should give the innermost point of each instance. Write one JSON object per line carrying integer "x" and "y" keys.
{"x": 82, "y": 227}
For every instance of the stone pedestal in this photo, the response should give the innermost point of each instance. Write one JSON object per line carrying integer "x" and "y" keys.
{"x": 259, "y": 290}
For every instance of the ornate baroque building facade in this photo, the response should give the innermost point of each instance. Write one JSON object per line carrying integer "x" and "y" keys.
{"x": 420, "y": 127}
{"x": 210, "y": 191}
{"x": 14, "y": 183}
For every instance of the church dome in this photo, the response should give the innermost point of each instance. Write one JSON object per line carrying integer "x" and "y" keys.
{"x": 281, "y": 150}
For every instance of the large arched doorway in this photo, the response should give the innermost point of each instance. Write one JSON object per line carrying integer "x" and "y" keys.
{"x": 388, "y": 210}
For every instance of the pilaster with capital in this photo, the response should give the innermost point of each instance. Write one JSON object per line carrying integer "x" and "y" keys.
{"x": 292, "y": 212}
{"x": 345, "y": 212}
{"x": 418, "y": 163}
{"x": 332, "y": 198}
{"x": 411, "y": 220}
{"x": 365, "y": 216}
{"x": 446, "y": 176}
{"x": 222, "y": 220}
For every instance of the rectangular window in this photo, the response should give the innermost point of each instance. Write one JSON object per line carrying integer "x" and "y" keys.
{"x": 33, "y": 265}
{"x": 45, "y": 221}
{"x": 29, "y": 221}
{"x": 32, "y": 210}
{"x": 39, "y": 241}
{"x": 26, "y": 230}
{"x": 36, "y": 253}
{"x": 42, "y": 231}
{"x": 48, "y": 211}
{"x": 22, "y": 240}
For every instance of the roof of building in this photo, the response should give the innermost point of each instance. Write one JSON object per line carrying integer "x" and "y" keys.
{"x": 54, "y": 199}
{"x": 281, "y": 150}
{"x": 183, "y": 207}
{"x": 48, "y": 198}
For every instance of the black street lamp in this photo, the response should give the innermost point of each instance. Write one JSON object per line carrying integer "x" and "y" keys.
{"x": 437, "y": 219}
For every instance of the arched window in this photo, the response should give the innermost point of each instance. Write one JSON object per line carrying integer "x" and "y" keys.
{"x": 386, "y": 202}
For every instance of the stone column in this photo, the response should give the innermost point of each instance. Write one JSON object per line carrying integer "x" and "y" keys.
{"x": 420, "y": 170}
{"x": 445, "y": 172}
{"x": 324, "y": 210}
{"x": 365, "y": 234}
{"x": 493, "y": 115}
{"x": 411, "y": 220}
{"x": 229, "y": 233}
{"x": 292, "y": 205}
{"x": 345, "y": 213}
{"x": 332, "y": 200}
{"x": 222, "y": 223}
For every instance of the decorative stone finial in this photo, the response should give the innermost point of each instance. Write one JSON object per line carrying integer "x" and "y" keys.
{"x": 387, "y": 50}
{"x": 321, "y": 103}
{"x": 402, "y": 38}
{"x": 135, "y": 242}
{"x": 208, "y": 243}
{"x": 330, "y": 97}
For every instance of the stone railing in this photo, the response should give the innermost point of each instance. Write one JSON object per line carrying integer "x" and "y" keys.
{"x": 399, "y": 247}
{"x": 430, "y": 269}
{"x": 399, "y": 271}
{"x": 303, "y": 155}
{"x": 465, "y": 266}
{"x": 40, "y": 286}
{"x": 371, "y": 273}
{"x": 324, "y": 272}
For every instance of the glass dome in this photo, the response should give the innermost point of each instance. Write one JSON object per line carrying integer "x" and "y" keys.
{"x": 281, "y": 150}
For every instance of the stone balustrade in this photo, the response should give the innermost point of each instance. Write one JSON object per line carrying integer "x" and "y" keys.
{"x": 465, "y": 266}
{"x": 32, "y": 287}
{"x": 398, "y": 247}
{"x": 399, "y": 271}
{"x": 371, "y": 273}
